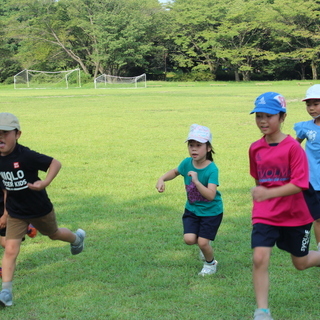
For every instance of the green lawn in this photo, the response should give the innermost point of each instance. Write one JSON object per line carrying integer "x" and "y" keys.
{"x": 114, "y": 145}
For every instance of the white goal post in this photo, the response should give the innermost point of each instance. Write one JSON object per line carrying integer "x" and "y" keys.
{"x": 34, "y": 79}
{"x": 106, "y": 81}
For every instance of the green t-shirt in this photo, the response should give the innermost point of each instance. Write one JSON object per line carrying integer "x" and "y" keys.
{"x": 196, "y": 203}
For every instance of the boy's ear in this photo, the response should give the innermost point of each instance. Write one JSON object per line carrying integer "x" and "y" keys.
{"x": 18, "y": 134}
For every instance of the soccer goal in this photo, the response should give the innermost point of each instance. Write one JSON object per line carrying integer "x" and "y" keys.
{"x": 106, "y": 81}
{"x": 34, "y": 79}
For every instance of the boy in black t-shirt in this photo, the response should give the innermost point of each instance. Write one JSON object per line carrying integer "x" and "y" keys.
{"x": 27, "y": 200}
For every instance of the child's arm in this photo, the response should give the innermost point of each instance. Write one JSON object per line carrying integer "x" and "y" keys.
{"x": 207, "y": 192}
{"x": 53, "y": 170}
{"x": 260, "y": 193}
{"x": 160, "y": 186}
{"x": 3, "y": 218}
{"x": 299, "y": 140}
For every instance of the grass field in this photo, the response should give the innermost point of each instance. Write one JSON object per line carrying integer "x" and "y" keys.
{"x": 114, "y": 145}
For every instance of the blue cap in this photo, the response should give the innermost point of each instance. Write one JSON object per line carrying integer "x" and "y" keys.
{"x": 270, "y": 102}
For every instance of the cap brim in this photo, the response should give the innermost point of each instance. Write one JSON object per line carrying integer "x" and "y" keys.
{"x": 264, "y": 110}
{"x": 6, "y": 128}
{"x": 198, "y": 140}
{"x": 316, "y": 98}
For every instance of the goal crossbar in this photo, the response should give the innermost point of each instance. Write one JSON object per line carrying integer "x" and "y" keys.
{"x": 107, "y": 81}
{"x": 36, "y": 79}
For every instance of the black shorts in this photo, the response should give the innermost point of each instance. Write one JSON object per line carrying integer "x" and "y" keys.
{"x": 294, "y": 240}
{"x": 204, "y": 227}
{"x": 312, "y": 198}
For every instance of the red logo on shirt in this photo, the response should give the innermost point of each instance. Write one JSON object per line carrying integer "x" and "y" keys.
{"x": 16, "y": 165}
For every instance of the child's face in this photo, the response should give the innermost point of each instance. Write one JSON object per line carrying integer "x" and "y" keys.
{"x": 8, "y": 141}
{"x": 197, "y": 150}
{"x": 268, "y": 123}
{"x": 313, "y": 107}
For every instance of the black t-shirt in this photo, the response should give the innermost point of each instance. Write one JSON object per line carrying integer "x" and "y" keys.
{"x": 16, "y": 170}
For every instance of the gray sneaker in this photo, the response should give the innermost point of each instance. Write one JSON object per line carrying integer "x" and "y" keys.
{"x": 78, "y": 249}
{"x": 261, "y": 315}
{"x": 6, "y": 298}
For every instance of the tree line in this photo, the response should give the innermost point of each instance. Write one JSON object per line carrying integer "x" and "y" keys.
{"x": 182, "y": 40}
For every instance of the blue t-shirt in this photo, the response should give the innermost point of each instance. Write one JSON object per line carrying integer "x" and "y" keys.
{"x": 196, "y": 203}
{"x": 311, "y": 132}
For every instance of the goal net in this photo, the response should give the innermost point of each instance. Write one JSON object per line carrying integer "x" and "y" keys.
{"x": 106, "y": 81}
{"x": 34, "y": 79}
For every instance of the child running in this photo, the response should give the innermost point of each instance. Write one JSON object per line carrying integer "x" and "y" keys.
{"x": 310, "y": 130}
{"x": 280, "y": 214}
{"x": 204, "y": 209}
{"x": 27, "y": 200}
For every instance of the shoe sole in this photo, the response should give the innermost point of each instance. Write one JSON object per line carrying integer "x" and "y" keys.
{"x": 6, "y": 304}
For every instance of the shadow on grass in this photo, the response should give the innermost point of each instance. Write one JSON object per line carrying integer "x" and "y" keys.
{"x": 136, "y": 266}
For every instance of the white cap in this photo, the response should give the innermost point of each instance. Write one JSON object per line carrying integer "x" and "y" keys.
{"x": 313, "y": 93}
{"x": 199, "y": 133}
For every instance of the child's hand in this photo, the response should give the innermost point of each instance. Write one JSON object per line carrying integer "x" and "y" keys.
{"x": 260, "y": 193}
{"x": 37, "y": 185}
{"x": 160, "y": 186}
{"x": 3, "y": 221}
{"x": 193, "y": 175}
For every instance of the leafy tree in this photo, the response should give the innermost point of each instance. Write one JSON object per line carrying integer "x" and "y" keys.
{"x": 99, "y": 36}
{"x": 243, "y": 37}
{"x": 296, "y": 26}
{"x": 194, "y": 33}
{"x": 8, "y": 46}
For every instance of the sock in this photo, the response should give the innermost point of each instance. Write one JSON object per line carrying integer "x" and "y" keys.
{"x": 211, "y": 262}
{"x": 7, "y": 285}
{"x": 265, "y": 310}
{"x": 77, "y": 241}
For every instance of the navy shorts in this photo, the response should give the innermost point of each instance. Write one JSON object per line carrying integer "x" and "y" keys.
{"x": 312, "y": 198}
{"x": 294, "y": 240}
{"x": 204, "y": 227}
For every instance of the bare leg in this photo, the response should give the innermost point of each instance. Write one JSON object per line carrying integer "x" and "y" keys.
{"x": 190, "y": 238}
{"x": 261, "y": 258}
{"x": 205, "y": 247}
{"x": 64, "y": 234}
{"x": 312, "y": 259}
{"x": 316, "y": 228}
{"x": 11, "y": 253}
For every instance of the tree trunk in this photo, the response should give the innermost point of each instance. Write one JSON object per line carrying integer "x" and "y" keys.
{"x": 303, "y": 71}
{"x": 246, "y": 76}
{"x": 236, "y": 75}
{"x": 314, "y": 70}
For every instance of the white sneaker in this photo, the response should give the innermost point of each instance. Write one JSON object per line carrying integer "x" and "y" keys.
{"x": 208, "y": 268}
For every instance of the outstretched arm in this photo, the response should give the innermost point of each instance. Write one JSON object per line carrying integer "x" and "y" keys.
{"x": 160, "y": 186}
{"x": 53, "y": 170}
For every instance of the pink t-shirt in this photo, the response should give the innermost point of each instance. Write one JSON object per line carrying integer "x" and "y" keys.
{"x": 274, "y": 166}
